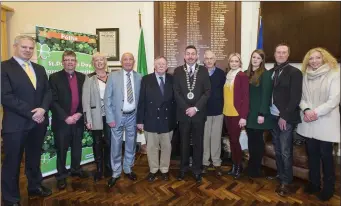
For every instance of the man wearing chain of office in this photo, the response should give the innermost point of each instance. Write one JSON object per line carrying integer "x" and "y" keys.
{"x": 191, "y": 90}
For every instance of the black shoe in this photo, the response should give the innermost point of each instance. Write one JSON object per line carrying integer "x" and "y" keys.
{"x": 273, "y": 177}
{"x": 232, "y": 171}
{"x": 112, "y": 181}
{"x": 197, "y": 178}
{"x": 325, "y": 195}
{"x": 283, "y": 190}
{"x": 82, "y": 174}
{"x": 165, "y": 176}
{"x": 40, "y": 192}
{"x": 97, "y": 176}
{"x": 299, "y": 142}
{"x": 204, "y": 169}
{"x": 151, "y": 177}
{"x": 61, "y": 184}
{"x": 181, "y": 176}
{"x": 132, "y": 176}
{"x": 239, "y": 171}
{"x": 6, "y": 203}
{"x": 311, "y": 189}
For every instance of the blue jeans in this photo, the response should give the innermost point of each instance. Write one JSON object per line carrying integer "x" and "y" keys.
{"x": 282, "y": 141}
{"x": 128, "y": 126}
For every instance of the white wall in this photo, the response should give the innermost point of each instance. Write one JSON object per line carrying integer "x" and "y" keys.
{"x": 86, "y": 17}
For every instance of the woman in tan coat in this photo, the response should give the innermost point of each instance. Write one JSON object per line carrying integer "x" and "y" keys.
{"x": 320, "y": 118}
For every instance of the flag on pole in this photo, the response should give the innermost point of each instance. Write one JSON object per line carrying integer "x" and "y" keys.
{"x": 141, "y": 58}
{"x": 260, "y": 34}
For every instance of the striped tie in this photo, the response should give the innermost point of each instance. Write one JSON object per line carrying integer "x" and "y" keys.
{"x": 130, "y": 96}
{"x": 30, "y": 75}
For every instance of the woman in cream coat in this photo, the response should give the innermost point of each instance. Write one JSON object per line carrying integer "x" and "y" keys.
{"x": 93, "y": 107}
{"x": 320, "y": 118}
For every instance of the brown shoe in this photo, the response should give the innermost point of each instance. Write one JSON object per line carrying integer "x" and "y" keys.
{"x": 218, "y": 171}
{"x": 283, "y": 190}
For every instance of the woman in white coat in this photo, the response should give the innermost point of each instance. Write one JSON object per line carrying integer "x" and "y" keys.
{"x": 320, "y": 118}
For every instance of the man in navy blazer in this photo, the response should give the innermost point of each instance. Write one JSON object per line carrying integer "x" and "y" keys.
{"x": 25, "y": 97}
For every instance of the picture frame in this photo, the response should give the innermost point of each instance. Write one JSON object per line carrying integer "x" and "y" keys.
{"x": 114, "y": 68}
{"x": 108, "y": 42}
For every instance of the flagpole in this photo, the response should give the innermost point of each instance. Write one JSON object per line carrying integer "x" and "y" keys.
{"x": 140, "y": 19}
{"x": 259, "y": 19}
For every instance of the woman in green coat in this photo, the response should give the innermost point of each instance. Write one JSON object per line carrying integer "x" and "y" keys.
{"x": 259, "y": 117}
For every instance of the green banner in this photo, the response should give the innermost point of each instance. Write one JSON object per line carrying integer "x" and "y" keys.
{"x": 51, "y": 43}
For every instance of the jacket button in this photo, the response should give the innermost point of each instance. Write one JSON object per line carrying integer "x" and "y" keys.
{"x": 166, "y": 117}
{"x": 158, "y": 117}
{"x": 166, "y": 109}
{"x": 158, "y": 108}
{"x": 121, "y": 110}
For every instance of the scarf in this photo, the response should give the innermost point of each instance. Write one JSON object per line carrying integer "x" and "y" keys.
{"x": 231, "y": 75}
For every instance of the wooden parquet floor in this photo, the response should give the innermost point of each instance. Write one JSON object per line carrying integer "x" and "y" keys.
{"x": 212, "y": 191}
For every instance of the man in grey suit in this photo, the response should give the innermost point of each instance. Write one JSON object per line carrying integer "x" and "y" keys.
{"x": 120, "y": 101}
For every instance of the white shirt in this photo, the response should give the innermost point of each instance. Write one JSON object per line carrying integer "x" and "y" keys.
{"x": 21, "y": 62}
{"x": 127, "y": 107}
{"x": 101, "y": 86}
{"x": 191, "y": 68}
{"x": 158, "y": 78}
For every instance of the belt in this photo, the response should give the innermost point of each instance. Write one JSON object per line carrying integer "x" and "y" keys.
{"x": 130, "y": 112}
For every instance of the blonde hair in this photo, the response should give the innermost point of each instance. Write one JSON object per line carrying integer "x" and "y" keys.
{"x": 21, "y": 37}
{"x": 232, "y": 55}
{"x": 100, "y": 55}
{"x": 327, "y": 58}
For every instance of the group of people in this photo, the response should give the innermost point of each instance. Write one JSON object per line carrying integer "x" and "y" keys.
{"x": 197, "y": 99}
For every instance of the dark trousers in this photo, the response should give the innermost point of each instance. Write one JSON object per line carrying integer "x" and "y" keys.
{"x": 15, "y": 144}
{"x": 320, "y": 150}
{"x": 256, "y": 151}
{"x": 233, "y": 130}
{"x": 101, "y": 148}
{"x": 196, "y": 128}
{"x": 68, "y": 136}
{"x": 282, "y": 141}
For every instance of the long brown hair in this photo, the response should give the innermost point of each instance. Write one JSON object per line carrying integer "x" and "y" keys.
{"x": 254, "y": 76}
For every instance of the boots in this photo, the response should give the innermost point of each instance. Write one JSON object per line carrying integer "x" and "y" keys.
{"x": 239, "y": 171}
{"x": 98, "y": 154}
{"x": 232, "y": 171}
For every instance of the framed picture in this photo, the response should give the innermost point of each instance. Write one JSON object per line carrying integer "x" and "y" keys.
{"x": 108, "y": 43}
{"x": 114, "y": 68}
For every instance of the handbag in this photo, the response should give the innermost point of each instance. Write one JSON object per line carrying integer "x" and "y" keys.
{"x": 243, "y": 139}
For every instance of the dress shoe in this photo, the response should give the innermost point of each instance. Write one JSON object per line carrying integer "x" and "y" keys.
{"x": 197, "y": 178}
{"x": 132, "y": 176}
{"x": 273, "y": 177}
{"x": 61, "y": 184}
{"x": 311, "y": 188}
{"x": 283, "y": 190}
{"x": 181, "y": 176}
{"x": 218, "y": 171}
{"x": 165, "y": 176}
{"x": 112, "y": 181}
{"x": 204, "y": 169}
{"x": 232, "y": 171}
{"x": 239, "y": 171}
{"x": 325, "y": 195}
{"x": 40, "y": 192}
{"x": 82, "y": 174}
{"x": 97, "y": 176}
{"x": 151, "y": 177}
{"x": 6, "y": 203}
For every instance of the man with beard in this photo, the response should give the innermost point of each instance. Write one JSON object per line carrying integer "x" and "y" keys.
{"x": 191, "y": 90}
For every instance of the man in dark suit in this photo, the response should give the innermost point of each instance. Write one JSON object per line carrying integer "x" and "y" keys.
{"x": 191, "y": 90}
{"x": 25, "y": 97}
{"x": 67, "y": 119}
{"x": 286, "y": 97}
{"x": 156, "y": 116}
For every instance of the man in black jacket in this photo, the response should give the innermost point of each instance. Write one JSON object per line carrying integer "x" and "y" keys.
{"x": 26, "y": 98}
{"x": 191, "y": 90}
{"x": 67, "y": 118}
{"x": 287, "y": 92}
{"x": 156, "y": 116}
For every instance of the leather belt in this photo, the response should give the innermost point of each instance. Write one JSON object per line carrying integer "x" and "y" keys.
{"x": 130, "y": 112}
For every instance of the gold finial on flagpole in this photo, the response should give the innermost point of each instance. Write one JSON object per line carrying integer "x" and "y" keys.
{"x": 140, "y": 18}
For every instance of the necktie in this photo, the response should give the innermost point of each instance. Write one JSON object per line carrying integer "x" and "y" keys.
{"x": 30, "y": 75}
{"x": 130, "y": 96}
{"x": 162, "y": 85}
{"x": 190, "y": 71}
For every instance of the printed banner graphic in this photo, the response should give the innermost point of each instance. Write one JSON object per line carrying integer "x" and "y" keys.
{"x": 51, "y": 43}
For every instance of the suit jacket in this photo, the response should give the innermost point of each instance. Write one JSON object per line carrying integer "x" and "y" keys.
{"x": 114, "y": 95}
{"x": 241, "y": 94}
{"x": 201, "y": 93}
{"x": 61, "y": 98}
{"x": 19, "y": 98}
{"x": 91, "y": 101}
{"x": 287, "y": 93}
{"x": 156, "y": 111}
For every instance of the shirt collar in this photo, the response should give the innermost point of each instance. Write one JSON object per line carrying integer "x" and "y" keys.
{"x": 211, "y": 71}
{"x": 21, "y": 61}
{"x": 125, "y": 72}
{"x": 157, "y": 75}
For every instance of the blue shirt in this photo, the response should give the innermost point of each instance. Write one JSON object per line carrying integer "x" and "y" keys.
{"x": 21, "y": 62}
{"x": 210, "y": 72}
{"x": 158, "y": 78}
